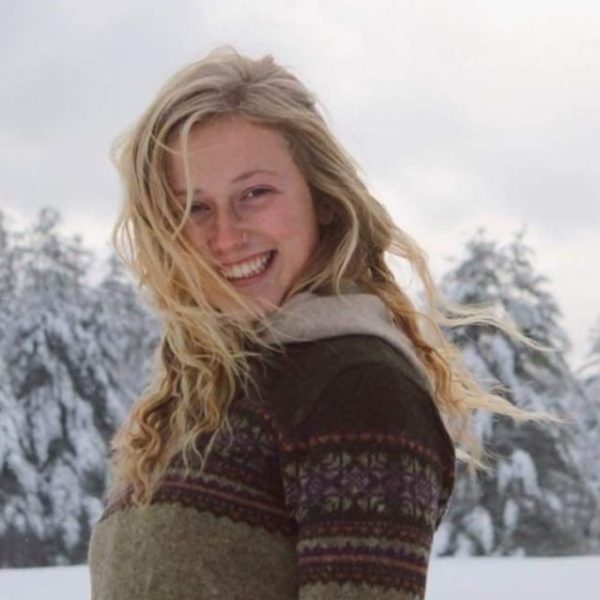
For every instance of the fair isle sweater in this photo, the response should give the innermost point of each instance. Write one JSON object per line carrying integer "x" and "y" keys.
{"x": 331, "y": 487}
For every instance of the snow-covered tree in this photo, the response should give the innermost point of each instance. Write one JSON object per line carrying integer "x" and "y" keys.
{"x": 8, "y": 437}
{"x": 126, "y": 333}
{"x": 8, "y": 405}
{"x": 55, "y": 469}
{"x": 589, "y": 377}
{"x": 537, "y": 500}
{"x": 64, "y": 391}
{"x": 589, "y": 372}
{"x": 7, "y": 272}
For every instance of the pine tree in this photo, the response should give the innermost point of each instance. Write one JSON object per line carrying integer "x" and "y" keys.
{"x": 7, "y": 272}
{"x": 72, "y": 359}
{"x": 589, "y": 377}
{"x": 8, "y": 406}
{"x": 536, "y": 501}
{"x": 53, "y": 472}
{"x": 126, "y": 332}
{"x": 589, "y": 372}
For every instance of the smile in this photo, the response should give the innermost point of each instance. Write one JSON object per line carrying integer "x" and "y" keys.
{"x": 250, "y": 268}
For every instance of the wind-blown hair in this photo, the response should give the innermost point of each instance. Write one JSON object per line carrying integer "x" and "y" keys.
{"x": 204, "y": 355}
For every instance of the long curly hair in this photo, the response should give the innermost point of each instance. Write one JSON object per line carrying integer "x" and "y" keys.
{"x": 204, "y": 355}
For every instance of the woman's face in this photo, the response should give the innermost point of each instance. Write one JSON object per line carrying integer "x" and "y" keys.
{"x": 252, "y": 210}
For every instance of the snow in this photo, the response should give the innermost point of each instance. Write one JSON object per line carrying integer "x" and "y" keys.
{"x": 449, "y": 579}
{"x": 511, "y": 514}
{"x": 49, "y": 583}
{"x": 514, "y": 578}
{"x": 480, "y": 525}
{"x": 521, "y": 468}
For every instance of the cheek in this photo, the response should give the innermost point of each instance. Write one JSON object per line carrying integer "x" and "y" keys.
{"x": 301, "y": 236}
{"x": 309, "y": 230}
{"x": 300, "y": 224}
{"x": 280, "y": 225}
{"x": 196, "y": 237}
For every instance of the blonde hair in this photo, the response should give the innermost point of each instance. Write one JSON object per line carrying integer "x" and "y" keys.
{"x": 204, "y": 354}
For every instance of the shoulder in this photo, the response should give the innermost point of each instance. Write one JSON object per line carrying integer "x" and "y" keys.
{"x": 351, "y": 383}
{"x": 368, "y": 421}
{"x": 314, "y": 364}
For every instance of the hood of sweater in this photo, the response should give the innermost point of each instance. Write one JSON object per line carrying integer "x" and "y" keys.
{"x": 308, "y": 317}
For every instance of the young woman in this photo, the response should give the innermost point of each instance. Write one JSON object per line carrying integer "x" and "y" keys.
{"x": 298, "y": 438}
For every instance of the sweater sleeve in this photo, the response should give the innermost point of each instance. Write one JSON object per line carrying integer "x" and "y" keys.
{"x": 367, "y": 475}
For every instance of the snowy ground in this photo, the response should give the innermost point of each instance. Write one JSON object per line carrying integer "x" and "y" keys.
{"x": 449, "y": 579}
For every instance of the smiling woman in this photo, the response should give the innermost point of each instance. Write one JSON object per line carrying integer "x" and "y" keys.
{"x": 298, "y": 437}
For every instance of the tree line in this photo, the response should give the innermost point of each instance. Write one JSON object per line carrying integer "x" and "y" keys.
{"x": 75, "y": 354}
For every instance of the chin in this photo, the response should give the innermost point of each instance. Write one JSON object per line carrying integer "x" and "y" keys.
{"x": 266, "y": 305}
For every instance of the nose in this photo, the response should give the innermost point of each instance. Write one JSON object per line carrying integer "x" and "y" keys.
{"x": 226, "y": 234}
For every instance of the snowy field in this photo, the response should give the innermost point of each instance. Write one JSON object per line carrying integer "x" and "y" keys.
{"x": 449, "y": 579}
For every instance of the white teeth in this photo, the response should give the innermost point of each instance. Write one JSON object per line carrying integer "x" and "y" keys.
{"x": 247, "y": 269}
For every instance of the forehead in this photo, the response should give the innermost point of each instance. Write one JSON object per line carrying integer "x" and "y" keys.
{"x": 228, "y": 144}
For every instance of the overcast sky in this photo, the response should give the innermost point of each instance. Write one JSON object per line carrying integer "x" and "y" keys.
{"x": 461, "y": 113}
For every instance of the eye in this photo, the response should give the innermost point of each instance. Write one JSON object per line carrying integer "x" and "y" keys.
{"x": 199, "y": 209}
{"x": 256, "y": 192}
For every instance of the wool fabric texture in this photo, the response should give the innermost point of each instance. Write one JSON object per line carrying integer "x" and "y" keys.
{"x": 335, "y": 477}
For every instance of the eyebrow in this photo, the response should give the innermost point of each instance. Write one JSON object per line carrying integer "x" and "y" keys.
{"x": 241, "y": 177}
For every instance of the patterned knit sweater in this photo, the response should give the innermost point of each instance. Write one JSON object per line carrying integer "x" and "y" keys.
{"x": 338, "y": 471}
